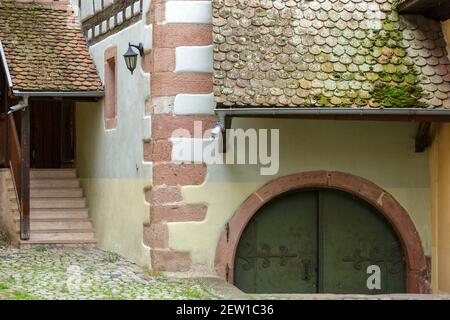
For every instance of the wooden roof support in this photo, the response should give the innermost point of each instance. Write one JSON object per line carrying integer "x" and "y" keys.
{"x": 434, "y": 9}
{"x": 423, "y": 137}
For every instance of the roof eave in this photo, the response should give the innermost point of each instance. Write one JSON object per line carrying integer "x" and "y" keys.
{"x": 80, "y": 94}
{"x": 333, "y": 111}
{"x": 5, "y": 65}
{"x": 20, "y": 93}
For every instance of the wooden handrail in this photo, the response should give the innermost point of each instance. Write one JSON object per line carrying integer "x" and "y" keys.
{"x": 3, "y": 139}
{"x": 20, "y": 171}
{"x": 14, "y": 153}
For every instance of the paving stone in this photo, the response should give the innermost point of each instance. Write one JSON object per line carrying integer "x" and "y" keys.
{"x": 85, "y": 273}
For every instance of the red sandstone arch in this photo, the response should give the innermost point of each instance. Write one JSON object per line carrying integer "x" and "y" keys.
{"x": 417, "y": 268}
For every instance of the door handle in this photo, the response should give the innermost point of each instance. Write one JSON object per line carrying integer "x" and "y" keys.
{"x": 306, "y": 276}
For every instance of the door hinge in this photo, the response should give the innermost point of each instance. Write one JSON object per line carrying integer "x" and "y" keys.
{"x": 227, "y": 231}
{"x": 227, "y": 272}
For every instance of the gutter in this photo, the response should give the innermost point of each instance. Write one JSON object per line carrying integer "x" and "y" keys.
{"x": 332, "y": 111}
{"x": 5, "y": 65}
{"x": 80, "y": 94}
{"x": 222, "y": 113}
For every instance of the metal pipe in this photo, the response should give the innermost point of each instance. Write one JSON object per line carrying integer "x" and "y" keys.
{"x": 23, "y": 103}
{"x": 333, "y": 111}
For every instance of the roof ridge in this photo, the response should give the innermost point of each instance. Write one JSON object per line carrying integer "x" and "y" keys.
{"x": 34, "y": 5}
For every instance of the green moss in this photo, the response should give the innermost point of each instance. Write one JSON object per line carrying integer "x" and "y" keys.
{"x": 111, "y": 257}
{"x": 397, "y": 95}
{"x": 41, "y": 249}
{"x": 397, "y": 84}
{"x": 322, "y": 100}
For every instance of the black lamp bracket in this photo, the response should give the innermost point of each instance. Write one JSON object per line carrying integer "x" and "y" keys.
{"x": 140, "y": 47}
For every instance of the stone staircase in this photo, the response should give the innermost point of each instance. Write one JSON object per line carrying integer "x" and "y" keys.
{"x": 58, "y": 209}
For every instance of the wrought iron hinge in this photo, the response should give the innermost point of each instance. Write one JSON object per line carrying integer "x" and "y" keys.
{"x": 227, "y": 272}
{"x": 227, "y": 231}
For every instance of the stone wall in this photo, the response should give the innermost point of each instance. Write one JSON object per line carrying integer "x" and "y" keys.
{"x": 181, "y": 91}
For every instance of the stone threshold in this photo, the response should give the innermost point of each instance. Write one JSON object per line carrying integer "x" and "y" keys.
{"x": 219, "y": 287}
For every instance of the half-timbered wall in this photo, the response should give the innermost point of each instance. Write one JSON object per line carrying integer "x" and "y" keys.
{"x": 101, "y": 18}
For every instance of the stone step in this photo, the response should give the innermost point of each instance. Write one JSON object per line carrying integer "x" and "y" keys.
{"x": 57, "y": 244}
{"x": 53, "y": 173}
{"x": 58, "y": 210}
{"x": 56, "y": 225}
{"x": 51, "y": 193}
{"x": 54, "y": 183}
{"x": 56, "y": 193}
{"x": 71, "y": 236}
{"x": 44, "y": 203}
{"x": 57, "y": 213}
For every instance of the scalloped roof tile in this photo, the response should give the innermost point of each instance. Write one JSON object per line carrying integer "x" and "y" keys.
{"x": 45, "y": 49}
{"x": 336, "y": 53}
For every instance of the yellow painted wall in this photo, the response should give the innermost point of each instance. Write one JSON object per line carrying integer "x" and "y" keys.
{"x": 114, "y": 178}
{"x": 382, "y": 152}
{"x": 440, "y": 199}
{"x": 440, "y": 188}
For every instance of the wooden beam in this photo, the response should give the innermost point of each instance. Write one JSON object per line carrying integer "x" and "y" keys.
{"x": 423, "y": 137}
{"x": 73, "y": 99}
{"x": 25, "y": 174}
{"x": 3, "y": 118}
{"x": 434, "y": 9}
{"x": 228, "y": 123}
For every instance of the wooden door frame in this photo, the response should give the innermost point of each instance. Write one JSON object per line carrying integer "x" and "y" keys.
{"x": 417, "y": 265}
{"x": 63, "y": 104}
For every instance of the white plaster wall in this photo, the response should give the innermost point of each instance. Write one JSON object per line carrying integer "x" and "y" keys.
{"x": 188, "y": 12}
{"x": 194, "y": 59}
{"x": 191, "y": 104}
{"x": 86, "y": 9}
{"x": 110, "y": 162}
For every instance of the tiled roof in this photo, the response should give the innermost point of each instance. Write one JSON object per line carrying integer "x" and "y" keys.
{"x": 45, "y": 49}
{"x": 327, "y": 53}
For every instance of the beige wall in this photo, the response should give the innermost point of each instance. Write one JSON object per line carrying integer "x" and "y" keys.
{"x": 114, "y": 178}
{"x": 440, "y": 187}
{"x": 110, "y": 161}
{"x": 382, "y": 152}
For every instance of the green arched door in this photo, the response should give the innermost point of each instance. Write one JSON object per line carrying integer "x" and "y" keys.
{"x": 319, "y": 241}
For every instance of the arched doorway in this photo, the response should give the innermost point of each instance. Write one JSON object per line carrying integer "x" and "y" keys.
{"x": 384, "y": 204}
{"x": 319, "y": 241}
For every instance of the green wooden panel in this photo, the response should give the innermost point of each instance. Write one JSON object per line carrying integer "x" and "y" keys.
{"x": 318, "y": 241}
{"x": 278, "y": 250}
{"x": 353, "y": 236}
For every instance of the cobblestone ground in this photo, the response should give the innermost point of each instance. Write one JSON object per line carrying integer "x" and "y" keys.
{"x": 85, "y": 273}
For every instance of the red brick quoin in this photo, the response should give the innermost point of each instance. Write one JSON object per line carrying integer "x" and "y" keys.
{"x": 417, "y": 267}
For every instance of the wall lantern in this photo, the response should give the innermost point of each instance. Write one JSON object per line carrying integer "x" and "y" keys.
{"x": 131, "y": 57}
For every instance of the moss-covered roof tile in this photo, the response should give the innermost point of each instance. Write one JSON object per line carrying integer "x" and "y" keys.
{"x": 334, "y": 53}
{"x": 45, "y": 49}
